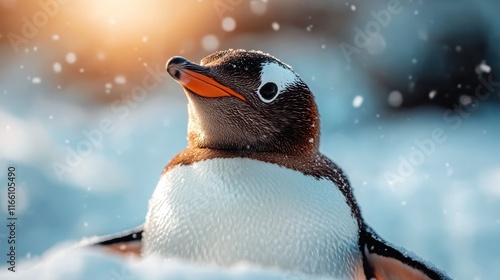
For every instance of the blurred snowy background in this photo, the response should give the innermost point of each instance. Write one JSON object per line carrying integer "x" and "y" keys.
{"x": 408, "y": 93}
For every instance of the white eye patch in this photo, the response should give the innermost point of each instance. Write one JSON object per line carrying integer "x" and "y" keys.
{"x": 274, "y": 73}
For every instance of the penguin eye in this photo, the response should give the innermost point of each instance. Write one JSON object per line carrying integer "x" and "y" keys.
{"x": 268, "y": 92}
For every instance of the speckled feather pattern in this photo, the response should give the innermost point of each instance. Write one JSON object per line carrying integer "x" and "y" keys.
{"x": 227, "y": 210}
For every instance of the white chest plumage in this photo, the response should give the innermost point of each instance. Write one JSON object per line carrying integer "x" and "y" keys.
{"x": 224, "y": 211}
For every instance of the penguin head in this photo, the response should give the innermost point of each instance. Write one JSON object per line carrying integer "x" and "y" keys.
{"x": 247, "y": 100}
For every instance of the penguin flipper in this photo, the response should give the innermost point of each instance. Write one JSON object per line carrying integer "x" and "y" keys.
{"x": 386, "y": 261}
{"x": 126, "y": 243}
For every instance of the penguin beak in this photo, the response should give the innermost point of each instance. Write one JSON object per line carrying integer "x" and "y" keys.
{"x": 195, "y": 78}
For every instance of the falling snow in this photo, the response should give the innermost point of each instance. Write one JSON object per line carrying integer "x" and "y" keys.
{"x": 101, "y": 55}
{"x": 120, "y": 79}
{"x": 376, "y": 44}
{"x": 465, "y": 100}
{"x": 275, "y": 26}
{"x": 395, "y": 98}
{"x": 228, "y": 24}
{"x": 357, "y": 101}
{"x": 210, "y": 42}
{"x": 36, "y": 80}
{"x": 71, "y": 57}
{"x": 258, "y": 7}
{"x": 432, "y": 94}
{"x": 483, "y": 68}
{"x": 57, "y": 67}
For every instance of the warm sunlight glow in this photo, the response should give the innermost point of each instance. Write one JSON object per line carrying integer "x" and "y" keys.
{"x": 119, "y": 18}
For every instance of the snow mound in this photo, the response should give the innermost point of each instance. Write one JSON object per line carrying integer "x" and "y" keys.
{"x": 68, "y": 262}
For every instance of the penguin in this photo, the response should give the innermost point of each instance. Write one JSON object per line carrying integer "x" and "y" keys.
{"x": 252, "y": 185}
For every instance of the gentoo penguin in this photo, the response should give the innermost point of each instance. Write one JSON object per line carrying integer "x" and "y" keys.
{"x": 252, "y": 185}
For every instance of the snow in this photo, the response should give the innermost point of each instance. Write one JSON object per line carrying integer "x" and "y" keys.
{"x": 395, "y": 98}
{"x": 120, "y": 79}
{"x": 57, "y": 67}
{"x": 465, "y": 100}
{"x": 258, "y": 7}
{"x": 228, "y": 24}
{"x": 67, "y": 262}
{"x": 357, "y": 101}
{"x": 101, "y": 55}
{"x": 71, "y": 57}
{"x": 210, "y": 42}
{"x": 483, "y": 68}
{"x": 376, "y": 44}
{"x": 275, "y": 26}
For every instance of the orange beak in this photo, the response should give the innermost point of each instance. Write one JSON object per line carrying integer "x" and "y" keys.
{"x": 194, "y": 78}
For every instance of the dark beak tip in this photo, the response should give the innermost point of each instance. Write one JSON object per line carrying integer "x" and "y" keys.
{"x": 171, "y": 66}
{"x": 176, "y": 60}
